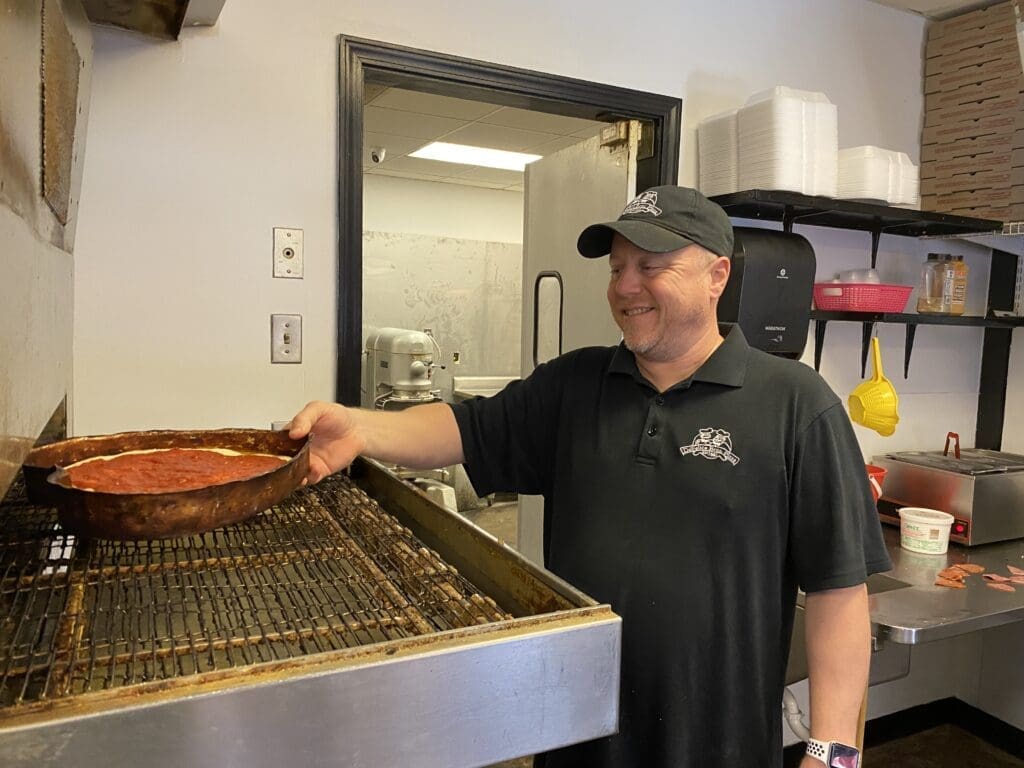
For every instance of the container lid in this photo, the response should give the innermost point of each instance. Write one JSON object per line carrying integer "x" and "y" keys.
{"x": 972, "y": 461}
{"x": 923, "y": 515}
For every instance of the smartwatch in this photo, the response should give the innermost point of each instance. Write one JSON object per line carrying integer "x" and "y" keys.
{"x": 833, "y": 753}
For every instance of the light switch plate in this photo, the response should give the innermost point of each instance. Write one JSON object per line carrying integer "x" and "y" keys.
{"x": 286, "y": 338}
{"x": 287, "y": 252}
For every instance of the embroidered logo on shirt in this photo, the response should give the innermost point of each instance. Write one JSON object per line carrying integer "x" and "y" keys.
{"x": 645, "y": 202}
{"x": 711, "y": 443}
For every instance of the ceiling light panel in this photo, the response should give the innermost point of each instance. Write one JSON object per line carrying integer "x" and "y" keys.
{"x": 481, "y": 156}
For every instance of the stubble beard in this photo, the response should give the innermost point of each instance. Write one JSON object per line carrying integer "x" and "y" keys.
{"x": 663, "y": 345}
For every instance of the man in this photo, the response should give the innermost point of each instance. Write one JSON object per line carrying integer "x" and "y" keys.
{"x": 692, "y": 483}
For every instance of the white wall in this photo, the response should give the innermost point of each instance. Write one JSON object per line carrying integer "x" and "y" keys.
{"x": 199, "y": 148}
{"x": 416, "y": 207}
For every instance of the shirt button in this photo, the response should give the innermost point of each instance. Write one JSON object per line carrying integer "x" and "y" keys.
{"x": 659, "y": 400}
{"x": 652, "y": 430}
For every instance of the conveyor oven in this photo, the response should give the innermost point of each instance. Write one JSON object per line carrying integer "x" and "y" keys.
{"x": 357, "y": 623}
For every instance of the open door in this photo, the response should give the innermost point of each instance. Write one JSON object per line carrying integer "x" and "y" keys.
{"x": 564, "y": 305}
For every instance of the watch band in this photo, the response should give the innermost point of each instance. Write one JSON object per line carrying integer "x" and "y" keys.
{"x": 833, "y": 754}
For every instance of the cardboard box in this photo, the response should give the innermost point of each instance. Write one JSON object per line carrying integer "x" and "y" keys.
{"x": 982, "y": 17}
{"x": 975, "y": 74}
{"x": 960, "y": 41}
{"x": 993, "y": 107}
{"x": 994, "y": 180}
{"x": 994, "y": 125}
{"x": 999, "y": 142}
{"x": 1004, "y": 85}
{"x": 947, "y": 63}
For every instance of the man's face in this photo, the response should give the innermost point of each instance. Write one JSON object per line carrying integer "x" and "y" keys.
{"x": 662, "y": 301}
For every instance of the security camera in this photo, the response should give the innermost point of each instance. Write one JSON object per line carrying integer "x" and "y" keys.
{"x": 377, "y": 154}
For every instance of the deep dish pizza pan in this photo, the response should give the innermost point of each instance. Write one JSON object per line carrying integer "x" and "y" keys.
{"x": 161, "y": 515}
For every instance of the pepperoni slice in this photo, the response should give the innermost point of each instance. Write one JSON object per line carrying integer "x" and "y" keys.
{"x": 951, "y": 583}
{"x": 997, "y": 578}
{"x": 1001, "y": 587}
{"x": 955, "y": 574}
{"x": 1017, "y": 579}
{"x": 1015, "y": 571}
{"x": 974, "y": 568}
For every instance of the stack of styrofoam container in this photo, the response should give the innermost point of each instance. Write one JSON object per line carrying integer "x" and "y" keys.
{"x": 716, "y": 144}
{"x": 873, "y": 173}
{"x": 788, "y": 139}
{"x": 907, "y": 183}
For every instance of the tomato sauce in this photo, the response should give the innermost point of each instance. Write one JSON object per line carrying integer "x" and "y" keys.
{"x": 168, "y": 471}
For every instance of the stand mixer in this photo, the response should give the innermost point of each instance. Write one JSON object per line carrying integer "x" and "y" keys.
{"x": 399, "y": 369}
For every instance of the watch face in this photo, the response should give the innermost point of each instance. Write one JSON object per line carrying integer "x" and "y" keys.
{"x": 842, "y": 756}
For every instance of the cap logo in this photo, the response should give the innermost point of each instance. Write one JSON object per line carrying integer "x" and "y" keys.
{"x": 645, "y": 202}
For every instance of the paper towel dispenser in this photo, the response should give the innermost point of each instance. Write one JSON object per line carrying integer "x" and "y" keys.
{"x": 769, "y": 290}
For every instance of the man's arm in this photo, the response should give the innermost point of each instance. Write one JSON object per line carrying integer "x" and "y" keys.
{"x": 838, "y": 636}
{"x": 422, "y": 437}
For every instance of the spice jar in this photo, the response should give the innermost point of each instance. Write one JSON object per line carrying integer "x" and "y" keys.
{"x": 959, "y": 269}
{"x": 943, "y": 285}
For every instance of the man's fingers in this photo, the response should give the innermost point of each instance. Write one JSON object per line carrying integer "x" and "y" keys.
{"x": 300, "y": 425}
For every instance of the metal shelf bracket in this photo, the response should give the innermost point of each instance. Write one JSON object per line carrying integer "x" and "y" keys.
{"x": 908, "y": 347}
{"x": 819, "y": 341}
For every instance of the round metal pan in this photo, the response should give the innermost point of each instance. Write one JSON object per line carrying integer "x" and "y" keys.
{"x": 131, "y": 516}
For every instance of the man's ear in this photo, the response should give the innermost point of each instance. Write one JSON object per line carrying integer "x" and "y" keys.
{"x": 719, "y": 276}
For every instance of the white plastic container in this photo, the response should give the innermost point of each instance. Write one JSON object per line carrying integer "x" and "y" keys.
{"x": 788, "y": 139}
{"x": 717, "y": 148}
{"x": 924, "y": 530}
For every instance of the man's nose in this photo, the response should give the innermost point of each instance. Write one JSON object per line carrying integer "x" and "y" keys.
{"x": 628, "y": 281}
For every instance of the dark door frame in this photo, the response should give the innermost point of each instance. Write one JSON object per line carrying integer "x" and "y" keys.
{"x": 369, "y": 60}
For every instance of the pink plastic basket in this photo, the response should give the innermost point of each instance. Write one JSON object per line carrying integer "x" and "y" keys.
{"x": 861, "y": 297}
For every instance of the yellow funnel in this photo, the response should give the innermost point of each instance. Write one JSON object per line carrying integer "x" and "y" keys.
{"x": 874, "y": 403}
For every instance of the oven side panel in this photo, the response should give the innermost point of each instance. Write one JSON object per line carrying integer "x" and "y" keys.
{"x": 451, "y": 708}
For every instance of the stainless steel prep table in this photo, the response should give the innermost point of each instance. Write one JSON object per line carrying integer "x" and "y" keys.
{"x": 921, "y": 612}
{"x": 907, "y": 608}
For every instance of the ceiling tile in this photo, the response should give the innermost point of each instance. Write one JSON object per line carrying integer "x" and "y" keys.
{"x": 474, "y": 183}
{"x": 380, "y": 120}
{"x": 492, "y": 175}
{"x": 497, "y": 137}
{"x": 586, "y": 133}
{"x": 540, "y": 121}
{"x": 404, "y": 175}
{"x": 421, "y": 165}
{"x": 431, "y": 104}
{"x": 395, "y": 146}
{"x": 550, "y": 147}
{"x": 371, "y": 91}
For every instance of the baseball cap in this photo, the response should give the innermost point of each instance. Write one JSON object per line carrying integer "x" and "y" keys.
{"x": 663, "y": 219}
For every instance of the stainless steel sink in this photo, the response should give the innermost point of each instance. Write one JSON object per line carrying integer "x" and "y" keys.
{"x": 887, "y": 669}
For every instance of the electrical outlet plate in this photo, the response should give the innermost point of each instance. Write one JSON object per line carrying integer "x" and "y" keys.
{"x": 286, "y": 338}
{"x": 287, "y": 252}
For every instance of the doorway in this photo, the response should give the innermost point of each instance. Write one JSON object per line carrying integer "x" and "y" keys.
{"x": 365, "y": 63}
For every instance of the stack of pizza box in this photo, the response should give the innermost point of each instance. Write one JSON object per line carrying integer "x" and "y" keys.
{"x": 972, "y": 144}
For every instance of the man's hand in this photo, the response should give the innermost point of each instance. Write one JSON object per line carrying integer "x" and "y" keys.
{"x": 333, "y": 437}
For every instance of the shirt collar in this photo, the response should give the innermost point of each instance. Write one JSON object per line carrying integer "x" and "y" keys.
{"x": 727, "y": 364}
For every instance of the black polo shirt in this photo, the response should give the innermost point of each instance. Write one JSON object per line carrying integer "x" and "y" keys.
{"x": 695, "y": 513}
